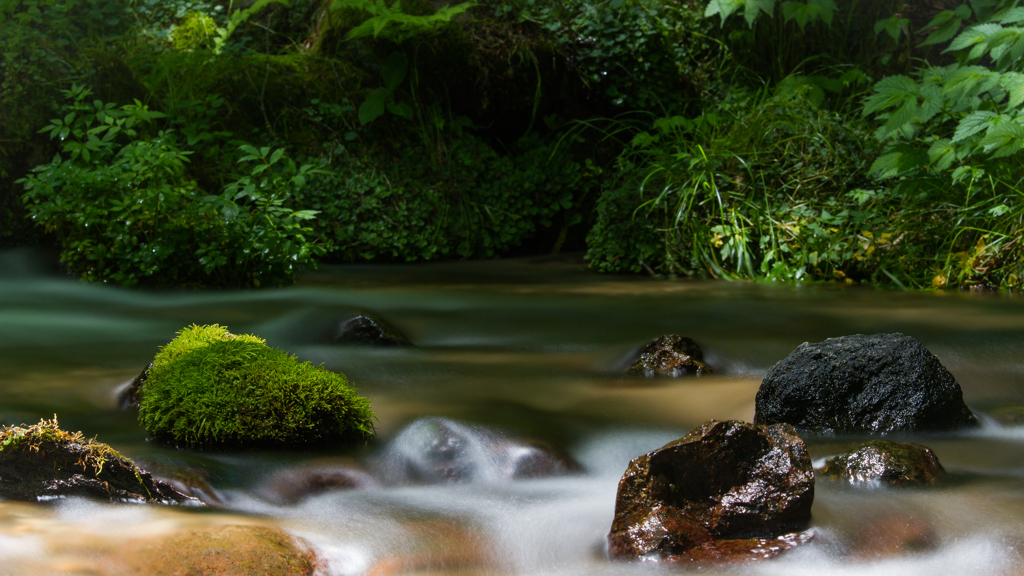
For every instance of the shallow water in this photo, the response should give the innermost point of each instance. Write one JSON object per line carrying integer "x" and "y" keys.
{"x": 532, "y": 348}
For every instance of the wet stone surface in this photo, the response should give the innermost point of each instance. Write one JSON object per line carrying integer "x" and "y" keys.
{"x": 43, "y": 462}
{"x": 292, "y": 485}
{"x": 859, "y": 383}
{"x": 727, "y": 490}
{"x": 366, "y": 329}
{"x": 670, "y": 356}
{"x": 893, "y": 463}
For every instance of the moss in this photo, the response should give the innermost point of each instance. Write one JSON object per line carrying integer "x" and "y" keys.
{"x": 210, "y": 388}
{"x": 92, "y": 455}
{"x": 197, "y": 30}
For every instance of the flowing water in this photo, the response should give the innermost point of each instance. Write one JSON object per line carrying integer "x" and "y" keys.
{"x": 532, "y": 349}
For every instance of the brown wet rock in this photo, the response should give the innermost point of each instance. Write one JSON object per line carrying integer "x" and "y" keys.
{"x": 43, "y": 462}
{"x": 231, "y": 550}
{"x": 862, "y": 383}
{"x": 291, "y": 485}
{"x": 893, "y": 463}
{"x": 367, "y": 330}
{"x": 891, "y": 536}
{"x": 726, "y": 490}
{"x": 672, "y": 356}
{"x": 439, "y": 450}
{"x": 435, "y": 547}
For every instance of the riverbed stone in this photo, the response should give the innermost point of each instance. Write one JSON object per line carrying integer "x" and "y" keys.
{"x": 1008, "y": 415}
{"x": 366, "y": 329}
{"x": 726, "y": 490}
{"x": 228, "y": 550}
{"x": 862, "y": 383}
{"x": 294, "y": 484}
{"x": 671, "y": 356}
{"x": 43, "y": 462}
{"x": 893, "y": 535}
{"x": 882, "y": 461}
{"x": 440, "y": 450}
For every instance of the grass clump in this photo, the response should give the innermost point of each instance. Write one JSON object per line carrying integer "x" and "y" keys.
{"x": 209, "y": 387}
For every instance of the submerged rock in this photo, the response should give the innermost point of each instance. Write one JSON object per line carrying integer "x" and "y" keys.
{"x": 887, "y": 462}
{"x": 211, "y": 388}
{"x": 43, "y": 462}
{"x": 292, "y": 485}
{"x": 439, "y": 450}
{"x": 368, "y": 330}
{"x": 851, "y": 384}
{"x": 230, "y": 550}
{"x": 1009, "y": 415}
{"x": 128, "y": 395}
{"x": 894, "y": 535}
{"x": 727, "y": 490}
{"x": 671, "y": 356}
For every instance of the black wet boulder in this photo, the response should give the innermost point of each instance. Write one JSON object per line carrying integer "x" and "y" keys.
{"x": 862, "y": 383}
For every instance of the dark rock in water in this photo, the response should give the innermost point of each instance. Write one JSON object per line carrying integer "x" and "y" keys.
{"x": 232, "y": 550}
{"x": 894, "y": 535}
{"x": 671, "y": 356}
{"x": 367, "y": 330}
{"x": 129, "y": 395}
{"x": 878, "y": 383}
{"x": 726, "y": 490}
{"x": 1009, "y": 415}
{"x": 438, "y": 450}
{"x": 43, "y": 462}
{"x": 887, "y": 462}
{"x": 292, "y": 485}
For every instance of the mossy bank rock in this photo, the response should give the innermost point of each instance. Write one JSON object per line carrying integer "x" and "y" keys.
{"x": 43, "y": 462}
{"x": 862, "y": 383}
{"x": 211, "y": 388}
{"x": 670, "y": 355}
{"x": 882, "y": 461}
{"x": 727, "y": 491}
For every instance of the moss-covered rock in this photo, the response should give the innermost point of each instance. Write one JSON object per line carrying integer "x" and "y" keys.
{"x": 42, "y": 462}
{"x": 209, "y": 387}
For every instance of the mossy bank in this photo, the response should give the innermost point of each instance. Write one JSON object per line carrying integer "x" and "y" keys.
{"x": 211, "y": 388}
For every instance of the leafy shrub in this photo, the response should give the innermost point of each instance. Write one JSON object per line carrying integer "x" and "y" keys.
{"x": 753, "y": 188}
{"x": 124, "y": 210}
{"x": 209, "y": 387}
{"x": 476, "y": 203}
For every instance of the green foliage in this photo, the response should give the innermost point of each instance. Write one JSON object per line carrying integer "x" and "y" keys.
{"x": 210, "y": 388}
{"x": 476, "y": 203}
{"x": 746, "y": 190}
{"x": 388, "y": 20}
{"x": 124, "y": 210}
{"x": 633, "y": 54}
{"x": 197, "y": 30}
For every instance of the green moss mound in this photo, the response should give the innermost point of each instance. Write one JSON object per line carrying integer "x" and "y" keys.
{"x": 210, "y": 388}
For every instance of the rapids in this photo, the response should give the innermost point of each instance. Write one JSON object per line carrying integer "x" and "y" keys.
{"x": 533, "y": 348}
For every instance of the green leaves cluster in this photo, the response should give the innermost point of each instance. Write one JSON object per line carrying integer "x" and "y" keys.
{"x": 388, "y": 20}
{"x": 120, "y": 201}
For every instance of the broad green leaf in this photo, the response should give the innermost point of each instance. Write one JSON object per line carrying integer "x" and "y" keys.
{"x": 751, "y": 9}
{"x": 970, "y": 80}
{"x": 941, "y": 155}
{"x": 1013, "y": 83}
{"x": 724, "y": 8}
{"x": 890, "y": 92}
{"x": 1012, "y": 16}
{"x": 943, "y": 33}
{"x": 373, "y": 107}
{"x": 973, "y": 123}
{"x": 973, "y": 36}
{"x": 897, "y": 161}
{"x": 394, "y": 70}
{"x": 1003, "y": 139}
{"x": 893, "y": 26}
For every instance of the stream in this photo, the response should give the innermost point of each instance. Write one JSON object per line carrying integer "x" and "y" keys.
{"x": 527, "y": 348}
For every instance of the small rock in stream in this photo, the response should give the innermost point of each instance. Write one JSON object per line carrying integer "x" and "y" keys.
{"x": 368, "y": 330}
{"x": 672, "y": 356}
{"x": 854, "y": 384}
{"x": 727, "y": 491}
{"x": 893, "y": 463}
{"x": 129, "y": 394}
{"x": 438, "y": 450}
{"x": 43, "y": 462}
{"x": 894, "y": 535}
{"x": 291, "y": 485}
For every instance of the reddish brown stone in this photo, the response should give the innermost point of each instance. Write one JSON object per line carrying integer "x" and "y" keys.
{"x": 894, "y": 536}
{"x": 726, "y": 489}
